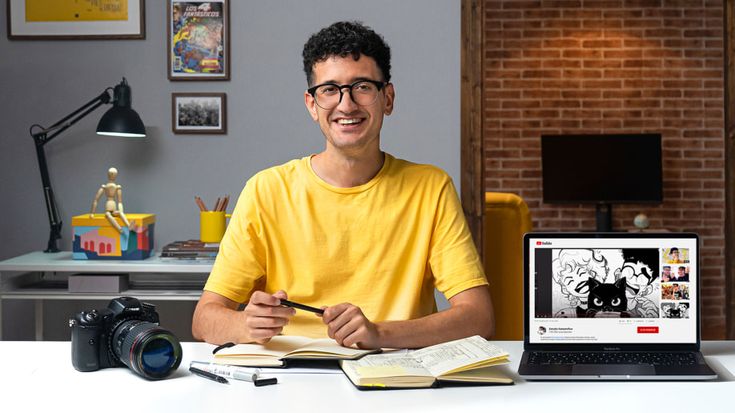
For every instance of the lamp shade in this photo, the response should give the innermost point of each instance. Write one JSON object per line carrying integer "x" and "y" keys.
{"x": 121, "y": 119}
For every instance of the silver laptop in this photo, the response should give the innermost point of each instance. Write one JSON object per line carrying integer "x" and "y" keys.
{"x": 612, "y": 306}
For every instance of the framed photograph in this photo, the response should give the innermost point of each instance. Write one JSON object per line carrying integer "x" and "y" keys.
{"x": 198, "y": 40}
{"x": 199, "y": 113}
{"x": 73, "y": 19}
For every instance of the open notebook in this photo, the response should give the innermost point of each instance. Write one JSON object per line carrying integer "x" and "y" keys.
{"x": 280, "y": 349}
{"x": 470, "y": 360}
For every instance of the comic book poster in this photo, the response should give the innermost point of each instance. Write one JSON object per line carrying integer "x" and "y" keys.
{"x": 198, "y": 41}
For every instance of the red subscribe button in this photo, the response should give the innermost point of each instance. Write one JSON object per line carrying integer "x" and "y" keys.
{"x": 647, "y": 330}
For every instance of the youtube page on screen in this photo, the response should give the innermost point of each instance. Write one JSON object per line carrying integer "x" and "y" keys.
{"x": 612, "y": 290}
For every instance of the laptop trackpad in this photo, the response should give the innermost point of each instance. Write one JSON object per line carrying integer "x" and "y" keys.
{"x": 613, "y": 369}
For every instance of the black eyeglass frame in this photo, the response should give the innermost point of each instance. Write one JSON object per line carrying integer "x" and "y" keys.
{"x": 312, "y": 90}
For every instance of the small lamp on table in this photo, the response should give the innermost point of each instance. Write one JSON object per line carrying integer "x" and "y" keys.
{"x": 120, "y": 120}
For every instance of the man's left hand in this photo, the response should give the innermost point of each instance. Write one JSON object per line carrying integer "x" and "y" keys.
{"x": 348, "y": 326}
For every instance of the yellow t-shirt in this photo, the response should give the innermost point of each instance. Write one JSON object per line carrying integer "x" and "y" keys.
{"x": 382, "y": 246}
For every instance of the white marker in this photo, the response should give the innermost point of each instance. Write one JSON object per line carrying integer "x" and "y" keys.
{"x": 233, "y": 372}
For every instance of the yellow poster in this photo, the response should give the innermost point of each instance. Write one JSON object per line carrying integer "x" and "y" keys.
{"x": 76, "y": 10}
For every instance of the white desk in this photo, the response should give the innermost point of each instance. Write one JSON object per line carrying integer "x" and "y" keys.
{"x": 43, "y": 380}
{"x": 39, "y": 276}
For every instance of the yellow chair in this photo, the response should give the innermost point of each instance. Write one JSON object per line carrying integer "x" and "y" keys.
{"x": 507, "y": 218}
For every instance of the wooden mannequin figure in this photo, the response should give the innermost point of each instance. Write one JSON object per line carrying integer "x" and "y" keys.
{"x": 113, "y": 205}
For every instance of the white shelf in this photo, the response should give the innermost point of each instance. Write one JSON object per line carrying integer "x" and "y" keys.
{"x": 60, "y": 294}
{"x": 63, "y": 262}
{"x": 40, "y": 276}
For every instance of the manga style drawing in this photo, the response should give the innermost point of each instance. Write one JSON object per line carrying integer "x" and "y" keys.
{"x": 605, "y": 298}
{"x": 675, "y": 310}
{"x": 605, "y": 283}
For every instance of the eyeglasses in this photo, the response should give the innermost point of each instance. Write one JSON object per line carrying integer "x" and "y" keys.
{"x": 362, "y": 92}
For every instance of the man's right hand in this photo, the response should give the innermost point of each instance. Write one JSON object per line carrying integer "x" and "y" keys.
{"x": 264, "y": 317}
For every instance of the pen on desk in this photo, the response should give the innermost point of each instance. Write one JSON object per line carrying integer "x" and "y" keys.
{"x": 208, "y": 375}
{"x": 302, "y": 307}
{"x": 234, "y": 372}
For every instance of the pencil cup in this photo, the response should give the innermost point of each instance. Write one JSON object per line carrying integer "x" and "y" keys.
{"x": 212, "y": 225}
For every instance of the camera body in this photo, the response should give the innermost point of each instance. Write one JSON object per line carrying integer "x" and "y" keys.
{"x": 94, "y": 344}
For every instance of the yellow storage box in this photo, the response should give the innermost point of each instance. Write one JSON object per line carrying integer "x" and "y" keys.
{"x": 96, "y": 239}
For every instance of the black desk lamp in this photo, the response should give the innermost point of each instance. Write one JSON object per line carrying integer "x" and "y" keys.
{"x": 120, "y": 120}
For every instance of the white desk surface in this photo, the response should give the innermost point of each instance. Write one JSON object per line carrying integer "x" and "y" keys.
{"x": 39, "y": 377}
{"x": 63, "y": 262}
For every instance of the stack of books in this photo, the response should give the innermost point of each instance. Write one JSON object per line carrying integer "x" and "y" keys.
{"x": 192, "y": 249}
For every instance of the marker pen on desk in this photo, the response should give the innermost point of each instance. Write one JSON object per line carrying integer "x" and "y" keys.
{"x": 208, "y": 375}
{"x": 234, "y": 372}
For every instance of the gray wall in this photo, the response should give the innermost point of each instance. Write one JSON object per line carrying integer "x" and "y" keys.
{"x": 42, "y": 81}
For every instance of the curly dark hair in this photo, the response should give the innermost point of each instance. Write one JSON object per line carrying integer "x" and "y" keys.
{"x": 342, "y": 39}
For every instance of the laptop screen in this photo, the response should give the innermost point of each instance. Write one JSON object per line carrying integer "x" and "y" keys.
{"x": 611, "y": 289}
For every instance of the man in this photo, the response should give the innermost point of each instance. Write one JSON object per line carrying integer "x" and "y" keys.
{"x": 675, "y": 291}
{"x": 666, "y": 275}
{"x": 352, "y": 229}
{"x": 674, "y": 256}
{"x": 681, "y": 274}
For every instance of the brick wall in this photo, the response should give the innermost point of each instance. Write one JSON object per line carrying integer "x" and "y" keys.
{"x": 613, "y": 66}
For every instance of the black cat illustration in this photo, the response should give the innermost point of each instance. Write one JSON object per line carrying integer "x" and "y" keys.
{"x": 605, "y": 298}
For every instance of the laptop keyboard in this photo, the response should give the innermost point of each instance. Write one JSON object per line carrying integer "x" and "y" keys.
{"x": 589, "y": 357}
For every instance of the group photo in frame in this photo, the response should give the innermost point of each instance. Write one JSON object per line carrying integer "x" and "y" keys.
{"x": 198, "y": 40}
{"x": 199, "y": 113}
{"x": 75, "y": 20}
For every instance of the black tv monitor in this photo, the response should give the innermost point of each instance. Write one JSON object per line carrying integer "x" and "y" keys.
{"x": 602, "y": 169}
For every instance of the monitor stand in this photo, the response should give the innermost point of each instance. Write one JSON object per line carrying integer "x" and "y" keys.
{"x": 603, "y": 216}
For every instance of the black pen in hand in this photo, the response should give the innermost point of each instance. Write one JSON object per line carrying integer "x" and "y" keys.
{"x": 208, "y": 375}
{"x": 302, "y": 306}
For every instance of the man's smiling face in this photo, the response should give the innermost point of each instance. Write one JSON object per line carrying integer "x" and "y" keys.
{"x": 350, "y": 127}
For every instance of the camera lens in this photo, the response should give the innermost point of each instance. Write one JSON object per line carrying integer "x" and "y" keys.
{"x": 147, "y": 349}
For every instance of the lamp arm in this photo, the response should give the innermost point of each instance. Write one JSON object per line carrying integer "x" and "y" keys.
{"x": 41, "y": 138}
{"x": 48, "y": 194}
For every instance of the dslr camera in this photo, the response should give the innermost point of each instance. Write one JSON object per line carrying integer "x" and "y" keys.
{"x": 125, "y": 333}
